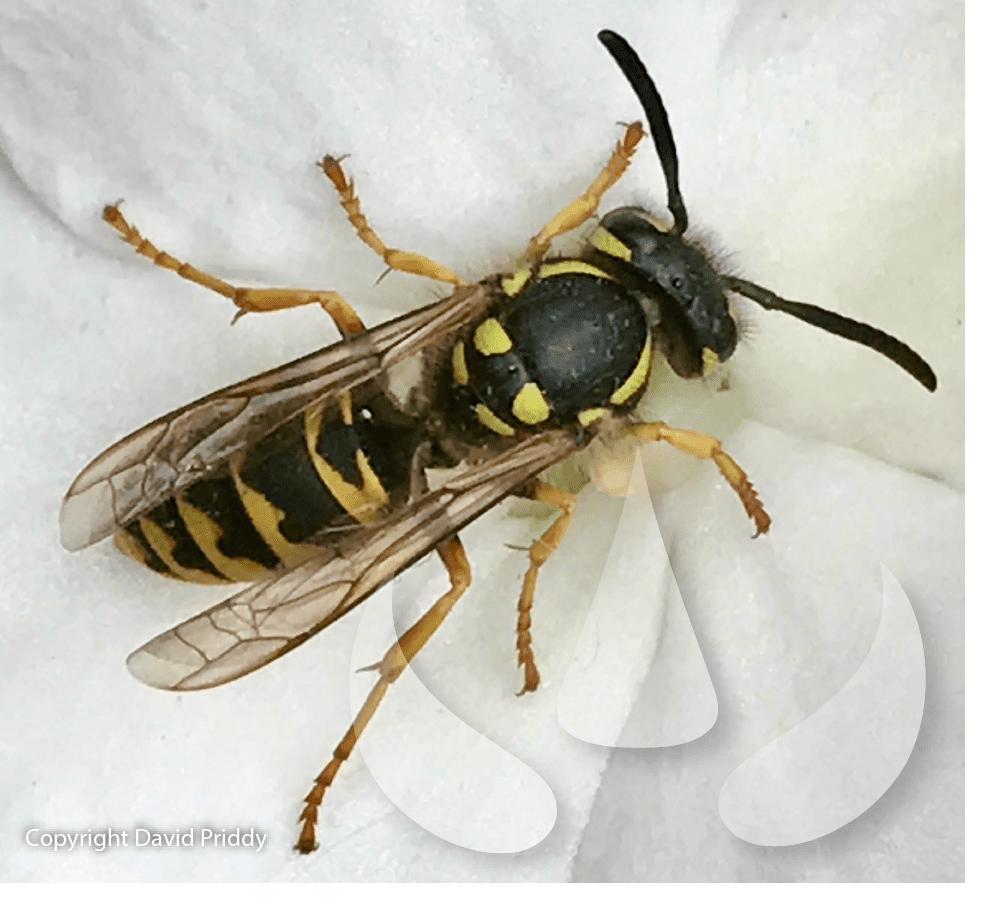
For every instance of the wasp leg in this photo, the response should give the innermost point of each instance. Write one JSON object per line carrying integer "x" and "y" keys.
{"x": 247, "y": 300}
{"x": 540, "y": 552}
{"x": 572, "y": 216}
{"x": 452, "y": 553}
{"x": 703, "y": 446}
{"x": 406, "y": 261}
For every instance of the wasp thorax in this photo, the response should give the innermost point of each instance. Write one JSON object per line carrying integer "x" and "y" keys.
{"x": 567, "y": 344}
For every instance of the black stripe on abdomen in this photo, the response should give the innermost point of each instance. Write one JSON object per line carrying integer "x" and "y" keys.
{"x": 279, "y": 468}
{"x": 168, "y": 536}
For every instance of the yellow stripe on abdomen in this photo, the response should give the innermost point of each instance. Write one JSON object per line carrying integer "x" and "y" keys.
{"x": 362, "y": 503}
{"x": 266, "y": 519}
{"x": 207, "y": 534}
{"x": 163, "y": 544}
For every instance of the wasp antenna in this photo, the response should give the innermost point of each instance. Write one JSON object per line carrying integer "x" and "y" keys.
{"x": 865, "y": 334}
{"x": 659, "y": 123}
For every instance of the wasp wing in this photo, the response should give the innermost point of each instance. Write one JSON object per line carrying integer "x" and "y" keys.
{"x": 156, "y": 461}
{"x": 272, "y": 617}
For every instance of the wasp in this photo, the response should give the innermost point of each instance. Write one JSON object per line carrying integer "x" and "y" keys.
{"x": 310, "y": 481}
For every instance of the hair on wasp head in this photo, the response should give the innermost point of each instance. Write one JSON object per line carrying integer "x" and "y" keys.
{"x": 685, "y": 295}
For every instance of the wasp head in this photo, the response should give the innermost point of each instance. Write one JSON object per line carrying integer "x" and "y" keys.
{"x": 676, "y": 282}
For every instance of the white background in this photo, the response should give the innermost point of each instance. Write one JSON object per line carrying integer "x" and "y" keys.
{"x": 821, "y": 145}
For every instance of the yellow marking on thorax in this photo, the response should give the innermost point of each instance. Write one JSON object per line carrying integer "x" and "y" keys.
{"x": 362, "y": 503}
{"x": 710, "y": 361}
{"x": 530, "y": 406}
{"x": 610, "y": 244}
{"x": 637, "y": 378}
{"x": 589, "y": 416}
{"x": 458, "y": 367}
{"x": 487, "y": 418}
{"x": 207, "y": 535}
{"x": 266, "y": 519}
{"x": 558, "y": 268}
{"x": 491, "y": 339}
{"x": 163, "y": 545}
{"x": 512, "y": 285}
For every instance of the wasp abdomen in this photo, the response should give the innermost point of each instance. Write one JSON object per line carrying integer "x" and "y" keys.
{"x": 332, "y": 467}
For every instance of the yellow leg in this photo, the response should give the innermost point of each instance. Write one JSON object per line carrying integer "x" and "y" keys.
{"x": 405, "y": 261}
{"x": 703, "y": 446}
{"x": 348, "y": 322}
{"x": 540, "y": 552}
{"x": 406, "y": 648}
{"x": 572, "y": 216}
